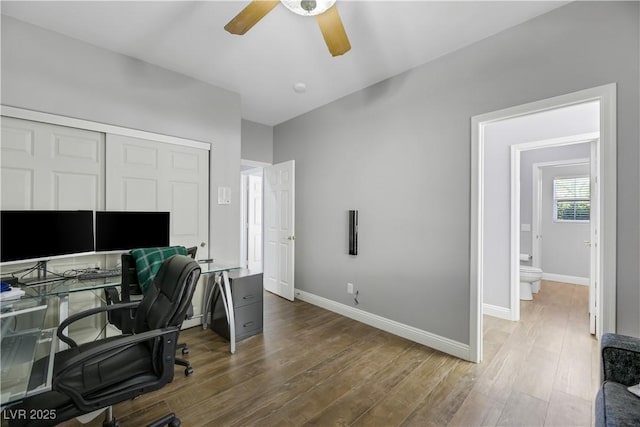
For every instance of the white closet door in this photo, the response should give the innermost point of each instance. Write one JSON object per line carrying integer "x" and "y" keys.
{"x": 46, "y": 166}
{"x": 144, "y": 175}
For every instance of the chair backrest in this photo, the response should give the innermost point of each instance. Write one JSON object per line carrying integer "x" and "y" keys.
{"x": 129, "y": 278}
{"x": 169, "y": 297}
{"x": 129, "y": 284}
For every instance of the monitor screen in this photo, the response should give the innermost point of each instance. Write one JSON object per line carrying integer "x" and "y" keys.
{"x": 131, "y": 230}
{"x": 39, "y": 235}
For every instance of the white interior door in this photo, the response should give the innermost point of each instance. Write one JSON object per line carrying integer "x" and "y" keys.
{"x": 594, "y": 217}
{"x": 254, "y": 226}
{"x": 279, "y": 229}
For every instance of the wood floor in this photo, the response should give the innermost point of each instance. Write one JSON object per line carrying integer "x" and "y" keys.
{"x": 314, "y": 367}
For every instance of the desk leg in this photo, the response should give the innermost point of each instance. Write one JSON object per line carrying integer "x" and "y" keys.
{"x": 229, "y": 309}
{"x": 63, "y": 313}
{"x": 209, "y": 285}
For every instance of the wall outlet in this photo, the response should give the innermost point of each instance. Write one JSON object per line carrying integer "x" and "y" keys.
{"x": 350, "y": 288}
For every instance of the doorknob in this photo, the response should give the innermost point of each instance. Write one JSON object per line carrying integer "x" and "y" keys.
{"x": 291, "y": 238}
{"x": 587, "y": 243}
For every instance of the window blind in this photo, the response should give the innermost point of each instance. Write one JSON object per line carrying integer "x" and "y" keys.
{"x": 572, "y": 199}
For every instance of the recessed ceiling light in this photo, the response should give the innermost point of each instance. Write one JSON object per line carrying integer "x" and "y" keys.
{"x": 300, "y": 87}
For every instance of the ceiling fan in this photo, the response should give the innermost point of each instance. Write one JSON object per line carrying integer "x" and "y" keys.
{"x": 324, "y": 10}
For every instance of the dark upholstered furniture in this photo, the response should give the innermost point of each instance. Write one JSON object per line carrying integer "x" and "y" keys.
{"x": 98, "y": 374}
{"x": 129, "y": 291}
{"x": 615, "y": 405}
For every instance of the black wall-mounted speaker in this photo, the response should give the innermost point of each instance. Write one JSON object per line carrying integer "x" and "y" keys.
{"x": 353, "y": 232}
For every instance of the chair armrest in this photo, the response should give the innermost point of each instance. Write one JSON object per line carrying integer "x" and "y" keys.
{"x": 74, "y": 318}
{"x": 165, "y": 343}
{"x": 620, "y": 359}
{"x": 112, "y": 296}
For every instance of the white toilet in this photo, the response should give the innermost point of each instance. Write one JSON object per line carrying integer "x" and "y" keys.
{"x": 529, "y": 279}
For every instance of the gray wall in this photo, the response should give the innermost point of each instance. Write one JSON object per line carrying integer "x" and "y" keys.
{"x": 257, "y": 142}
{"x": 527, "y": 159}
{"x": 46, "y": 71}
{"x": 499, "y": 136}
{"x": 399, "y": 152}
{"x": 563, "y": 248}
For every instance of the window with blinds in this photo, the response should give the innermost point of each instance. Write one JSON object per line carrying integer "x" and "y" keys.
{"x": 571, "y": 199}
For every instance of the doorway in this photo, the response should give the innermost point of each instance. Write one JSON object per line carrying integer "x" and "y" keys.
{"x": 251, "y": 202}
{"x": 504, "y": 243}
{"x": 546, "y": 233}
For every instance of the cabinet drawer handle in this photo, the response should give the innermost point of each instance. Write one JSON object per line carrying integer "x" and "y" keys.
{"x": 247, "y": 324}
{"x": 247, "y": 297}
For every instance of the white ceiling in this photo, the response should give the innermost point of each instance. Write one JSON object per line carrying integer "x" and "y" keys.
{"x": 387, "y": 38}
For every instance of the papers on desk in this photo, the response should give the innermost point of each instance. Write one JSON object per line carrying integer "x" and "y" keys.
{"x": 12, "y": 293}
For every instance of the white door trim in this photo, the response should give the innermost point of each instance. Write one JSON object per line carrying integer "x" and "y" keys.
{"x": 516, "y": 151}
{"x": 253, "y": 163}
{"x": 37, "y": 116}
{"x": 537, "y": 201}
{"x": 606, "y": 95}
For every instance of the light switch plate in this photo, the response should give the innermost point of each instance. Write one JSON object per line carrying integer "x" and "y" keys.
{"x": 224, "y": 195}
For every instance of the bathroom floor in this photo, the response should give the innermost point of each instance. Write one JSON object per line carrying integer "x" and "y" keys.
{"x": 542, "y": 370}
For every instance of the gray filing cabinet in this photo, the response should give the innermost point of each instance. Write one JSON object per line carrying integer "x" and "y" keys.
{"x": 246, "y": 291}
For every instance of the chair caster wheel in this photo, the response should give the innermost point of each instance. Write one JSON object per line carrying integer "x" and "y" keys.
{"x": 175, "y": 423}
{"x": 188, "y": 371}
{"x": 185, "y": 351}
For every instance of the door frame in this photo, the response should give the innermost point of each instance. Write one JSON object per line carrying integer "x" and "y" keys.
{"x": 606, "y": 96}
{"x": 536, "y": 176}
{"x": 516, "y": 151}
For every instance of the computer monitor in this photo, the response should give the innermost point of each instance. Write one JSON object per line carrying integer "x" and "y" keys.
{"x": 37, "y": 235}
{"x": 117, "y": 231}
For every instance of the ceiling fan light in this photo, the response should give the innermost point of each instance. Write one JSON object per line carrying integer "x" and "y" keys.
{"x": 308, "y": 7}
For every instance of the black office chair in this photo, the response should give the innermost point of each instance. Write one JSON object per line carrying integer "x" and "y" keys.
{"x": 130, "y": 287}
{"x": 101, "y": 373}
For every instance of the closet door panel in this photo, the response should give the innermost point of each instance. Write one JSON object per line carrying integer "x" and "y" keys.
{"x": 17, "y": 151}
{"x": 133, "y": 174}
{"x": 139, "y": 194}
{"x": 47, "y": 166}
{"x": 144, "y": 175}
{"x": 17, "y": 188}
{"x": 74, "y": 191}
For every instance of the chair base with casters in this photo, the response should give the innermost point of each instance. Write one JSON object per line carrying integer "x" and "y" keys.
{"x": 188, "y": 370}
{"x": 96, "y": 375}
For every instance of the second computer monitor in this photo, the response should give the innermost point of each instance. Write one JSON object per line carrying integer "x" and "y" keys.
{"x": 117, "y": 231}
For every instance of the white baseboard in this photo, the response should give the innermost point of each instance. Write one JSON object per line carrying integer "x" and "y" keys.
{"x": 194, "y": 321}
{"x": 420, "y": 336}
{"x": 497, "y": 311}
{"x": 584, "y": 281}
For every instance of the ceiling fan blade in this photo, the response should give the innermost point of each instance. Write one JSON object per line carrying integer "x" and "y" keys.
{"x": 250, "y": 15}
{"x": 333, "y": 31}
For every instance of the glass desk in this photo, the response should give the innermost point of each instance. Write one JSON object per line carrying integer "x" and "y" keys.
{"x": 23, "y": 343}
{"x": 62, "y": 288}
{"x": 218, "y": 275}
{"x": 215, "y": 274}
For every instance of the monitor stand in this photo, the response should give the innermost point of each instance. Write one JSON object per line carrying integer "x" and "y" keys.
{"x": 41, "y": 277}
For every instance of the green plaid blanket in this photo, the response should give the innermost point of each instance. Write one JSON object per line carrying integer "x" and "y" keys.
{"x": 149, "y": 261}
